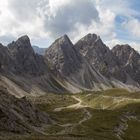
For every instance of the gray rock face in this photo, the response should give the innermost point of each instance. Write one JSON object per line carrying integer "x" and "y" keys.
{"x": 6, "y": 61}
{"x": 26, "y": 61}
{"x": 63, "y": 56}
{"x": 20, "y": 64}
{"x": 100, "y": 56}
{"x": 87, "y": 65}
{"x": 66, "y": 59}
{"x": 129, "y": 60}
{"x": 121, "y": 63}
{"x": 18, "y": 115}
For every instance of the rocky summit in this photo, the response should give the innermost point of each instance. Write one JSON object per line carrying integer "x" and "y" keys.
{"x": 129, "y": 60}
{"x": 26, "y": 70}
{"x": 63, "y": 56}
{"x": 106, "y": 61}
{"x": 67, "y": 60}
{"x": 100, "y": 56}
{"x": 24, "y": 57}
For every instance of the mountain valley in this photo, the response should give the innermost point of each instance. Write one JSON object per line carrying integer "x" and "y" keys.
{"x": 81, "y": 91}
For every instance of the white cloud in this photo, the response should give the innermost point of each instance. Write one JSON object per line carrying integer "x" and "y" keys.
{"x": 44, "y": 18}
{"x": 18, "y": 18}
{"x": 119, "y": 7}
{"x": 104, "y": 28}
{"x": 113, "y": 42}
{"x": 61, "y": 18}
{"x": 135, "y": 45}
{"x": 133, "y": 26}
{"x": 49, "y": 19}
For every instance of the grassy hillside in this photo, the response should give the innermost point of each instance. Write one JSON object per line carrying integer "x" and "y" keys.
{"x": 109, "y": 115}
{"x": 109, "y": 99}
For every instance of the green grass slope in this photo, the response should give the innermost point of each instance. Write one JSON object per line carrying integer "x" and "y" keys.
{"x": 115, "y": 115}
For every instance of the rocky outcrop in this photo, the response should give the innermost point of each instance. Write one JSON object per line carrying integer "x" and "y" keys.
{"x": 21, "y": 68}
{"x": 19, "y": 115}
{"x": 106, "y": 61}
{"x": 87, "y": 65}
{"x": 100, "y": 56}
{"x": 26, "y": 61}
{"x": 63, "y": 56}
{"x": 129, "y": 60}
{"x": 6, "y": 62}
{"x": 66, "y": 59}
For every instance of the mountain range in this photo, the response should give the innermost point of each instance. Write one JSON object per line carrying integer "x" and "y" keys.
{"x": 88, "y": 65}
{"x": 36, "y": 87}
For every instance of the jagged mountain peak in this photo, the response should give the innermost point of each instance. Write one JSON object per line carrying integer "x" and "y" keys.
{"x": 125, "y": 51}
{"x": 125, "y": 47}
{"x": 92, "y": 42}
{"x": 24, "y": 38}
{"x": 24, "y": 57}
{"x": 91, "y": 69}
{"x": 90, "y": 39}
{"x": 61, "y": 45}
{"x": 64, "y": 38}
{"x": 63, "y": 55}
{"x": 67, "y": 60}
{"x": 22, "y": 44}
{"x": 1, "y": 45}
{"x": 63, "y": 42}
{"x": 126, "y": 54}
{"x": 129, "y": 59}
{"x": 99, "y": 55}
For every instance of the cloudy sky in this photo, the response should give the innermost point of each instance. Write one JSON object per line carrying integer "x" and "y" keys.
{"x": 116, "y": 21}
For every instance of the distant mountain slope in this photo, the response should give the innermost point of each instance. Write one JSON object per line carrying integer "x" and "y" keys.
{"x": 39, "y": 50}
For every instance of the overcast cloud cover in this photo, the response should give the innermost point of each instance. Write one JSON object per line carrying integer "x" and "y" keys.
{"x": 43, "y": 21}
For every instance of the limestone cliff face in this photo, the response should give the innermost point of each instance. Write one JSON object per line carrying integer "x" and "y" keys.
{"x": 6, "y": 61}
{"x": 129, "y": 60}
{"x": 67, "y": 60}
{"x": 110, "y": 63}
{"x": 100, "y": 56}
{"x": 24, "y": 69}
{"x": 87, "y": 65}
{"x": 26, "y": 61}
{"x": 63, "y": 56}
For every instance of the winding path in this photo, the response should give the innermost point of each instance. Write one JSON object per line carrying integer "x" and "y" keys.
{"x": 70, "y": 126}
{"x": 75, "y": 106}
